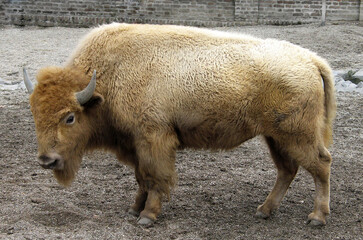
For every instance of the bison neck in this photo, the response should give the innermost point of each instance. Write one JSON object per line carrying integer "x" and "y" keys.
{"x": 107, "y": 137}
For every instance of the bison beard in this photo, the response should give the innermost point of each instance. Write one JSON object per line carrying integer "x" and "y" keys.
{"x": 66, "y": 176}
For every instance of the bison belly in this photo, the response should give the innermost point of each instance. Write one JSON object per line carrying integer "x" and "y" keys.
{"x": 214, "y": 134}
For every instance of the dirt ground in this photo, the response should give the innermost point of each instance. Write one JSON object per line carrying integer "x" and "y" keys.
{"x": 217, "y": 192}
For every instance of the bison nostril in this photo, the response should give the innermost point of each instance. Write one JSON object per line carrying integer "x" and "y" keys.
{"x": 53, "y": 164}
{"x": 48, "y": 162}
{"x": 44, "y": 158}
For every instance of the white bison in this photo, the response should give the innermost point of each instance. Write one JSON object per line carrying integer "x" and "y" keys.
{"x": 163, "y": 88}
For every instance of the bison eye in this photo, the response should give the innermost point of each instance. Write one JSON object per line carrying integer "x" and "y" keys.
{"x": 70, "y": 119}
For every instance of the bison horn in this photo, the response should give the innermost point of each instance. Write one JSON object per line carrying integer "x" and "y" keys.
{"x": 28, "y": 83}
{"x": 86, "y": 94}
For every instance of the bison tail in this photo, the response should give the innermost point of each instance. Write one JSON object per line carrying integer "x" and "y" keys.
{"x": 330, "y": 102}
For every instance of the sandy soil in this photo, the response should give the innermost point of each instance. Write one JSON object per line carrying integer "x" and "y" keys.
{"x": 217, "y": 193}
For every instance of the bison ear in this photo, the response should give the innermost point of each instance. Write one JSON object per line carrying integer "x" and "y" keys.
{"x": 94, "y": 101}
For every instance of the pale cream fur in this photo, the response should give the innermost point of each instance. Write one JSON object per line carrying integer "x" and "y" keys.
{"x": 169, "y": 87}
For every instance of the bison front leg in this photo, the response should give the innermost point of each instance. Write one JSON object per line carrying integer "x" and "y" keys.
{"x": 155, "y": 173}
{"x": 147, "y": 204}
{"x": 140, "y": 198}
{"x": 152, "y": 208}
{"x": 129, "y": 158}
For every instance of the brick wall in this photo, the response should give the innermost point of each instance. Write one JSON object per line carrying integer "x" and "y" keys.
{"x": 346, "y": 9}
{"x": 295, "y": 11}
{"x": 247, "y": 11}
{"x": 78, "y": 13}
{"x": 2, "y": 11}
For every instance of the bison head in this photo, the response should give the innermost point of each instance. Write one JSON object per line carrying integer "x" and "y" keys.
{"x": 63, "y": 104}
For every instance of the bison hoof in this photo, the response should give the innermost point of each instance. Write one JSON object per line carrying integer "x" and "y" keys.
{"x": 315, "y": 223}
{"x": 316, "y": 219}
{"x": 144, "y": 221}
{"x": 132, "y": 212}
{"x": 260, "y": 214}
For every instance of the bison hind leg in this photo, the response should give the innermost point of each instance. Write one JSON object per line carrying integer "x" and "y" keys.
{"x": 316, "y": 159}
{"x": 320, "y": 171}
{"x": 286, "y": 172}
